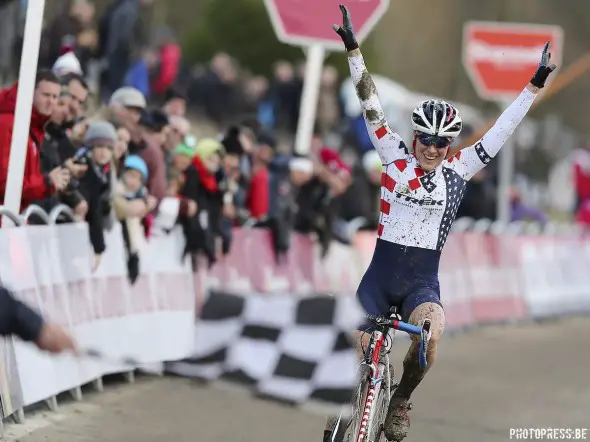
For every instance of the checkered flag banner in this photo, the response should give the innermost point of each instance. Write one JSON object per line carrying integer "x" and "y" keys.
{"x": 284, "y": 347}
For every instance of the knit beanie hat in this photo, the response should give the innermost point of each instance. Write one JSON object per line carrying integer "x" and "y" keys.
{"x": 135, "y": 162}
{"x": 66, "y": 64}
{"x": 187, "y": 147}
{"x": 100, "y": 132}
{"x": 209, "y": 146}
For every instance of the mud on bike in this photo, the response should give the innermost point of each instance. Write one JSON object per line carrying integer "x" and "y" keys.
{"x": 364, "y": 421}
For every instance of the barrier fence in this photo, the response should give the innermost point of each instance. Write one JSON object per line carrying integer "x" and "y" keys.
{"x": 489, "y": 273}
{"x": 49, "y": 267}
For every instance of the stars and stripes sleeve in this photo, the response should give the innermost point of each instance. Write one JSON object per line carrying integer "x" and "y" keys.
{"x": 474, "y": 158}
{"x": 388, "y": 144}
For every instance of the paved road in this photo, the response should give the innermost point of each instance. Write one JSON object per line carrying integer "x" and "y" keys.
{"x": 484, "y": 383}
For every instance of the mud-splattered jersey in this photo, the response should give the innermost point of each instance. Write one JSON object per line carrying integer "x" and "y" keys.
{"x": 418, "y": 209}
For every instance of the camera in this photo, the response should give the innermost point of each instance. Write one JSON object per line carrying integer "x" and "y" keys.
{"x": 80, "y": 160}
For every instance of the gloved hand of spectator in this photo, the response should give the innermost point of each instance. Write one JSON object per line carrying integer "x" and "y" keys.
{"x": 133, "y": 267}
{"x": 59, "y": 177}
{"x": 346, "y": 32}
{"x": 55, "y": 339}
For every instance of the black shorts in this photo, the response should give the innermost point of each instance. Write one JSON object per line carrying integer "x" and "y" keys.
{"x": 399, "y": 276}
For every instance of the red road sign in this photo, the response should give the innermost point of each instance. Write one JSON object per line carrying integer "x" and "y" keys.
{"x": 308, "y": 22}
{"x": 500, "y": 58}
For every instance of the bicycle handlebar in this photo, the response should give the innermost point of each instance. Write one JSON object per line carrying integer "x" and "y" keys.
{"x": 423, "y": 332}
{"x": 408, "y": 328}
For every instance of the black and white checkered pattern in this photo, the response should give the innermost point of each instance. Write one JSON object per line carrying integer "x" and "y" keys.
{"x": 293, "y": 349}
{"x": 455, "y": 186}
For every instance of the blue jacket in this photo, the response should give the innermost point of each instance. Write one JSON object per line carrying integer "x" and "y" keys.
{"x": 138, "y": 76}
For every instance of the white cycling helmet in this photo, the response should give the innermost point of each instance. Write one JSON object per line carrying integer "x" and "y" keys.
{"x": 437, "y": 117}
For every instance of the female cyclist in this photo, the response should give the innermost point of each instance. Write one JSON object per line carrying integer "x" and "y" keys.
{"x": 420, "y": 195}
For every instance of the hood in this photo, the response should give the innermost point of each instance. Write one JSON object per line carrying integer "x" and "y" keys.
{"x": 8, "y": 106}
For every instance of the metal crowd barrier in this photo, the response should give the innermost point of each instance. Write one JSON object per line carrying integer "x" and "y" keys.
{"x": 51, "y": 219}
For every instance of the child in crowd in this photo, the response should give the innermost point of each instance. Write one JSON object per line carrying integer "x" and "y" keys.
{"x": 130, "y": 206}
{"x": 95, "y": 184}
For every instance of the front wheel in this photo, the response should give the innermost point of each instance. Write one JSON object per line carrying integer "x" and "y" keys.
{"x": 375, "y": 433}
{"x": 348, "y": 430}
{"x": 348, "y": 425}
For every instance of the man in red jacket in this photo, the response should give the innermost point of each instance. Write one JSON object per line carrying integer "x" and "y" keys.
{"x": 36, "y": 185}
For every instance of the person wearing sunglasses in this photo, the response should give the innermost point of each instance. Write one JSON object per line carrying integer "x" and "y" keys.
{"x": 420, "y": 195}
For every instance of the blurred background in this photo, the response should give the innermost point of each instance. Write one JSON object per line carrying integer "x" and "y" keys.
{"x": 213, "y": 56}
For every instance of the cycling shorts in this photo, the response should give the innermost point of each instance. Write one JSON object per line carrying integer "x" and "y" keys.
{"x": 400, "y": 276}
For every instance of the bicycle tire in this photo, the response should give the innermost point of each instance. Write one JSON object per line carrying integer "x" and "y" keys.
{"x": 375, "y": 433}
{"x": 346, "y": 429}
{"x": 348, "y": 432}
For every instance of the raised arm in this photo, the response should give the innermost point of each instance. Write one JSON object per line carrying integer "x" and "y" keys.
{"x": 474, "y": 158}
{"x": 388, "y": 144}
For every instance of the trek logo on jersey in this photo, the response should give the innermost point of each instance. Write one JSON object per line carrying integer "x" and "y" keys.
{"x": 421, "y": 202}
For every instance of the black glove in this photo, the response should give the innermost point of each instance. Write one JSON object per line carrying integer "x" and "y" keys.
{"x": 544, "y": 68}
{"x": 133, "y": 267}
{"x": 345, "y": 31}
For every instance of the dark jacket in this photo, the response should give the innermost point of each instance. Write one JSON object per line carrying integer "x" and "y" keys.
{"x": 120, "y": 36}
{"x": 95, "y": 187}
{"x": 18, "y": 319}
{"x": 153, "y": 155}
{"x": 316, "y": 212}
{"x": 202, "y": 229}
{"x": 282, "y": 204}
{"x": 55, "y": 150}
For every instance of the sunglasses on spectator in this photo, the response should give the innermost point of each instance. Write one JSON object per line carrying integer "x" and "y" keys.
{"x": 439, "y": 142}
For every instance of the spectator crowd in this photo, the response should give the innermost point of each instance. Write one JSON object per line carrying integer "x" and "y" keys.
{"x": 140, "y": 159}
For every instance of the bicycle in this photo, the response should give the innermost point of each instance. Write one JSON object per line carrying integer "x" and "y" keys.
{"x": 371, "y": 400}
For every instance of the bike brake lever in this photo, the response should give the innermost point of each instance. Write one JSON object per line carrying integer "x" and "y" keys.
{"x": 424, "y": 340}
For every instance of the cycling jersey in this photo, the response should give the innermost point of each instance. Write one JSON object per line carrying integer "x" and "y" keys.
{"x": 417, "y": 208}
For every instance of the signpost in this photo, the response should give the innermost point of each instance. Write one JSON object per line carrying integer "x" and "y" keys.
{"x": 500, "y": 59}
{"x": 24, "y": 104}
{"x": 308, "y": 23}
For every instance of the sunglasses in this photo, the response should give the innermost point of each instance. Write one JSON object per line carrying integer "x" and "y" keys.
{"x": 439, "y": 142}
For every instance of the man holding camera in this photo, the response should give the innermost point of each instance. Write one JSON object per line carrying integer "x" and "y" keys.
{"x": 58, "y": 149}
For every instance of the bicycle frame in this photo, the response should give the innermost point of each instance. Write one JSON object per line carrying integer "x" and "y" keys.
{"x": 373, "y": 358}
